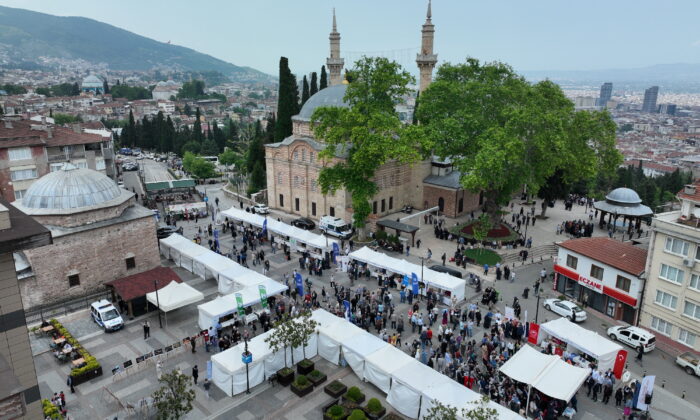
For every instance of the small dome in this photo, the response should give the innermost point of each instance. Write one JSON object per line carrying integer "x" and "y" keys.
{"x": 70, "y": 188}
{"x": 330, "y": 96}
{"x": 623, "y": 196}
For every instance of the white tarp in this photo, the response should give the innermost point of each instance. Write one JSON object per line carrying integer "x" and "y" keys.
{"x": 408, "y": 384}
{"x": 579, "y": 338}
{"x": 175, "y": 295}
{"x": 238, "y": 277}
{"x": 330, "y": 336}
{"x": 380, "y": 365}
{"x": 546, "y": 373}
{"x": 356, "y": 348}
{"x": 199, "y": 207}
{"x": 181, "y": 250}
{"x": 210, "y": 264}
{"x": 453, "y": 394}
{"x": 229, "y": 372}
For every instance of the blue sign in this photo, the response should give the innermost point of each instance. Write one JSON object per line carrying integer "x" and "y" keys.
{"x": 247, "y": 358}
{"x": 405, "y": 280}
{"x": 209, "y": 369}
{"x": 347, "y": 309}
{"x": 216, "y": 233}
{"x": 206, "y": 199}
{"x": 414, "y": 277}
{"x": 264, "y": 231}
{"x": 336, "y": 251}
{"x": 299, "y": 284}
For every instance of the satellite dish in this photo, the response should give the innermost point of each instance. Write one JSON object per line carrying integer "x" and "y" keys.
{"x": 626, "y": 376}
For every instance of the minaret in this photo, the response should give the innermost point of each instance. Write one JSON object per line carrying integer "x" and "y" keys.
{"x": 426, "y": 60}
{"x": 334, "y": 62}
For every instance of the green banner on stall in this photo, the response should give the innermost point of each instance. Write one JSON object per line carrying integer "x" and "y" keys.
{"x": 239, "y": 302}
{"x": 263, "y": 296}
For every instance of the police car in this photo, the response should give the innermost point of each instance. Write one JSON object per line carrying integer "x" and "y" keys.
{"x": 106, "y": 315}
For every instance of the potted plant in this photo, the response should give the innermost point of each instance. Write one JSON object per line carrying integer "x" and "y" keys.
{"x": 335, "y": 389}
{"x": 278, "y": 340}
{"x": 316, "y": 377}
{"x": 393, "y": 416}
{"x": 305, "y": 367}
{"x": 357, "y": 415}
{"x": 302, "y": 386}
{"x": 354, "y": 395}
{"x": 285, "y": 376}
{"x": 374, "y": 409}
{"x": 335, "y": 412}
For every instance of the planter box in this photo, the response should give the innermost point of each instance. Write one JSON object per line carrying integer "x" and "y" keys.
{"x": 285, "y": 380}
{"x": 305, "y": 370}
{"x": 335, "y": 394}
{"x": 317, "y": 381}
{"x": 374, "y": 416}
{"x": 360, "y": 401}
{"x": 329, "y": 405}
{"x": 301, "y": 391}
{"x": 77, "y": 380}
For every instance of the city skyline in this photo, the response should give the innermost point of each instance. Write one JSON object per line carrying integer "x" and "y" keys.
{"x": 549, "y": 39}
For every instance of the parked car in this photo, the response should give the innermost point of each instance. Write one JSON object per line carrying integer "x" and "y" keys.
{"x": 106, "y": 315}
{"x": 449, "y": 270}
{"x": 690, "y": 363}
{"x": 633, "y": 336}
{"x": 407, "y": 209}
{"x": 566, "y": 309}
{"x": 261, "y": 209}
{"x": 167, "y": 230}
{"x": 335, "y": 226}
{"x": 304, "y": 223}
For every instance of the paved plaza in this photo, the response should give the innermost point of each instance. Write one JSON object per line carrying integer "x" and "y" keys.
{"x": 108, "y": 396}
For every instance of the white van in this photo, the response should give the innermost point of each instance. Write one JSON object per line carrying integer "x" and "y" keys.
{"x": 633, "y": 336}
{"x": 335, "y": 226}
{"x": 106, "y": 315}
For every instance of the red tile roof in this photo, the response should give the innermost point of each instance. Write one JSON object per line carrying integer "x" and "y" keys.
{"x": 616, "y": 254}
{"x": 692, "y": 197}
{"x": 27, "y": 133}
{"x": 140, "y": 284}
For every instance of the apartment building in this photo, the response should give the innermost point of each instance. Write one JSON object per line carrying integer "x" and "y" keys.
{"x": 671, "y": 305}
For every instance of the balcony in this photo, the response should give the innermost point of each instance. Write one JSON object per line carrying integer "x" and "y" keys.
{"x": 61, "y": 157}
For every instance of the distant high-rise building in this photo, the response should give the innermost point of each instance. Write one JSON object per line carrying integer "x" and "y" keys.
{"x": 605, "y": 94}
{"x": 650, "y": 96}
{"x": 668, "y": 109}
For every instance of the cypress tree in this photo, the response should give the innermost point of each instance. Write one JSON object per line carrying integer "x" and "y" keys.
{"x": 287, "y": 101}
{"x": 324, "y": 79}
{"x": 75, "y": 89}
{"x": 270, "y": 129}
{"x": 304, "y": 91}
{"x": 415, "y": 110}
{"x": 314, "y": 85}
{"x": 105, "y": 87}
{"x": 197, "y": 127}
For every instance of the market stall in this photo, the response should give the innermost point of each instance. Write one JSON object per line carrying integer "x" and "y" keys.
{"x": 584, "y": 345}
{"x": 407, "y": 386}
{"x": 356, "y": 348}
{"x": 229, "y": 371}
{"x": 210, "y": 265}
{"x": 181, "y": 251}
{"x": 380, "y": 365}
{"x": 331, "y": 335}
{"x": 175, "y": 295}
{"x": 238, "y": 277}
{"x": 191, "y": 209}
{"x": 459, "y": 396}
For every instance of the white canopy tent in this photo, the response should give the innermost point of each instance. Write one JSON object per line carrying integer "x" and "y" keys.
{"x": 238, "y": 277}
{"x": 357, "y": 347}
{"x": 454, "y": 394}
{"x": 547, "y": 373}
{"x": 407, "y": 386}
{"x": 229, "y": 372}
{"x": 199, "y": 207}
{"x": 581, "y": 339}
{"x": 181, "y": 250}
{"x": 174, "y": 295}
{"x": 380, "y": 365}
{"x": 330, "y": 337}
{"x": 210, "y": 264}
{"x": 442, "y": 281}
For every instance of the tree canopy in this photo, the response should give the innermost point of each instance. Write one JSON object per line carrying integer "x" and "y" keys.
{"x": 174, "y": 398}
{"x": 369, "y": 132}
{"x": 504, "y": 133}
{"x": 287, "y": 100}
{"x": 197, "y": 166}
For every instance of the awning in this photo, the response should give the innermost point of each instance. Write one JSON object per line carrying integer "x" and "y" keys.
{"x": 175, "y": 295}
{"x": 140, "y": 284}
{"x": 602, "y": 349}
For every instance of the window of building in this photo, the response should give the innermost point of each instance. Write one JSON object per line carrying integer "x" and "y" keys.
{"x": 20, "y": 153}
{"x": 100, "y": 165}
{"x": 694, "y": 282}
{"x": 74, "y": 280}
{"x": 313, "y": 208}
{"x": 331, "y": 211}
{"x": 676, "y": 246}
{"x": 383, "y": 205}
{"x": 691, "y": 309}
{"x": 279, "y": 178}
{"x": 666, "y": 299}
{"x": 296, "y": 155}
{"x": 374, "y": 207}
{"x": 697, "y": 253}
{"x": 81, "y": 165}
{"x": 296, "y": 204}
{"x": 311, "y": 157}
{"x": 623, "y": 283}
{"x": 571, "y": 261}
{"x": 686, "y": 337}
{"x": 303, "y": 155}
{"x": 313, "y": 185}
{"x": 391, "y": 203}
{"x": 671, "y": 274}
{"x": 281, "y": 200}
{"x": 597, "y": 272}
{"x": 23, "y": 174}
{"x": 55, "y": 167}
{"x": 296, "y": 181}
{"x": 19, "y": 194}
{"x": 661, "y": 326}
{"x": 130, "y": 263}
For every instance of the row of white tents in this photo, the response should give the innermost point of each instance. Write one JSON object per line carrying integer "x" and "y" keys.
{"x": 410, "y": 385}
{"x": 432, "y": 278}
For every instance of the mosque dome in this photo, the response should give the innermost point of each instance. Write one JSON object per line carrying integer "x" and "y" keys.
{"x": 71, "y": 188}
{"x": 330, "y": 96}
{"x": 623, "y": 196}
{"x": 92, "y": 81}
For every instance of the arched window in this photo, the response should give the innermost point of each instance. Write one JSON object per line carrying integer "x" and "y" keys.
{"x": 313, "y": 185}
{"x": 296, "y": 181}
{"x": 303, "y": 155}
{"x": 279, "y": 178}
{"x": 296, "y": 155}
{"x": 311, "y": 157}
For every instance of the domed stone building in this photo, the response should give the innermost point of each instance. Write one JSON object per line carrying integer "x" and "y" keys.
{"x": 92, "y": 83}
{"x": 99, "y": 234}
{"x": 622, "y": 202}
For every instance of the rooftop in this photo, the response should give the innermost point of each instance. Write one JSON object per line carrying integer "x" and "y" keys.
{"x": 29, "y": 133}
{"x": 140, "y": 284}
{"x": 616, "y": 254}
{"x": 23, "y": 231}
{"x": 330, "y": 96}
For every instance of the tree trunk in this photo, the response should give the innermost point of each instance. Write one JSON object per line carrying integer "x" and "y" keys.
{"x": 491, "y": 207}
{"x": 362, "y": 233}
{"x": 545, "y": 204}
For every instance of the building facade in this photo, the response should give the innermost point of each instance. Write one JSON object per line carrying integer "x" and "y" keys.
{"x": 30, "y": 150}
{"x": 605, "y": 94}
{"x": 671, "y": 304}
{"x": 650, "y": 97}
{"x": 603, "y": 274}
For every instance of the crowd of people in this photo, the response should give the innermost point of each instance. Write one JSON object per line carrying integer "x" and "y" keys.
{"x": 576, "y": 228}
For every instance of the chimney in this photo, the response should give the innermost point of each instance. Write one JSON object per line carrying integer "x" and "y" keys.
{"x": 77, "y": 128}
{"x": 689, "y": 189}
{"x": 8, "y": 124}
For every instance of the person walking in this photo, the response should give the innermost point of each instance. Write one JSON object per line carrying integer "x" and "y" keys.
{"x": 159, "y": 369}
{"x": 69, "y": 382}
{"x": 195, "y": 374}
{"x": 207, "y": 386}
{"x": 618, "y": 397}
{"x": 146, "y": 329}
{"x": 640, "y": 354}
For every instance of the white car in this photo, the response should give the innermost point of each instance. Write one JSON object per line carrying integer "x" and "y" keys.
{"x": 261, "y": 209}
{"x": 567, "y": 309}
{"x": 633, "y": 336}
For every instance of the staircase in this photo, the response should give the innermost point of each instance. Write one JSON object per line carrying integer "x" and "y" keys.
{"x": 535, "y": 254}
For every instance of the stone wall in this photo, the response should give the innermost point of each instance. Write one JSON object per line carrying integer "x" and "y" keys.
{"x": 85, "y": 218}
{"x": 96, "y": 255}
{"x": 433, "y": 193}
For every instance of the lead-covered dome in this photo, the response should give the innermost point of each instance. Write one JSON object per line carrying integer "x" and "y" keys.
{"x": 71, "y": 188}
{"x": 623, "y": 196}
{"x": 330, "y": 96}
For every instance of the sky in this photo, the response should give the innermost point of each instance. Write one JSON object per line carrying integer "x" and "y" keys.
{"x": 527, "y": 34}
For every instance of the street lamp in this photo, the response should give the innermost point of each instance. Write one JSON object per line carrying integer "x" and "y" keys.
{"x": 160, "y": 321}
{"x": 537, "y": 308}
{"x": 247, "y": 358}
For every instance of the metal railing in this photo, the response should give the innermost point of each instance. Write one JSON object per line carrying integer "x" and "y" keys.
{"x": 61, "y": 157}
{"x": 63, "y": 307}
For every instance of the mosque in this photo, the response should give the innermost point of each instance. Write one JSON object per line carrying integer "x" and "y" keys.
{"x": 293, "y": 166}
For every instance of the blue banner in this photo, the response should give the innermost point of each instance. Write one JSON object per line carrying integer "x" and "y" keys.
{"x": 416, "y": 289}
{"x": 347, "y": 309}
{"x": 299, "y": 284}
{"x": 405, "y": 280}
{"x": 216, "y": 233}
{"x": 336, "y": 251}
{"x": 209, "y": 368}
{"x": 264, "y": 231}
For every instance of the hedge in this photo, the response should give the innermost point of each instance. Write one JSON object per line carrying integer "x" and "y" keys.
{"x": 91, "y": 363}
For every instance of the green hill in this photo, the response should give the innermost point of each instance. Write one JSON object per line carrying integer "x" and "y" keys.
{"x": 24, "y": 35}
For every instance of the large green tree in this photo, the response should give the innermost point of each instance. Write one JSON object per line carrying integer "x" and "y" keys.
{"x": 504, "y": 133}
{"x": 369, "y": 132}
{"x": 175, "y": 396}
{"x": 287, "y": 101}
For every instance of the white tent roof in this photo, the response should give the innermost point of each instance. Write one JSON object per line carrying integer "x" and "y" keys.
{"x": 581, "y": 338}
{"x": 220, "y": 305}
{"x": 389, "y": 359}
{"x": 175, "y": 295}
{"x": 340, "y": 331}
{"x": 363, "y": 344}
{"x": 547, "y": 373}
{"x": 216, "y": 263}
{"x": 325, "y": 318}
{"x": 183, "y": 245}
{"x": 453, "y": 394}
{"x": 419, "y": 377}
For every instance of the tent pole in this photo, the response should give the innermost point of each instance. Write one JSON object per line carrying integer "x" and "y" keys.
{"x": 527, "y": 404}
